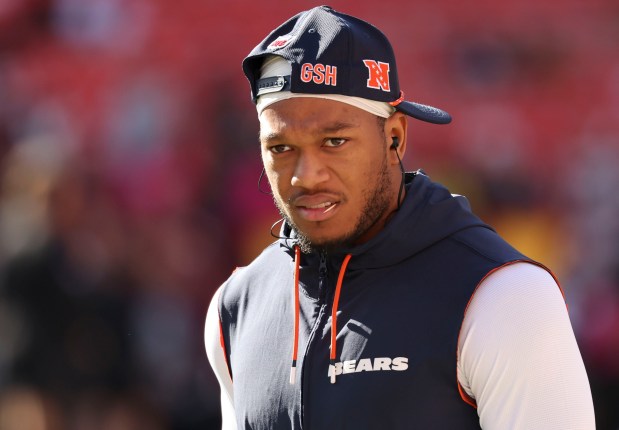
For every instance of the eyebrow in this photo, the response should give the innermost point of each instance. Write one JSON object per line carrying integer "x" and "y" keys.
{"x": 338, "y": 126}
{"x": 327, "y": 129}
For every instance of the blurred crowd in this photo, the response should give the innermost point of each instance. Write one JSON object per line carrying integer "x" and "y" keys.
{"x": 129, "y": 165}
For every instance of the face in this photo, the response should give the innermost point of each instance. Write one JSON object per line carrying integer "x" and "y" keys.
{"x": 330, "y": 168}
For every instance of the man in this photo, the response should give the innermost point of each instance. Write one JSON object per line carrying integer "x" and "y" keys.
{"x": 385, "y": 303}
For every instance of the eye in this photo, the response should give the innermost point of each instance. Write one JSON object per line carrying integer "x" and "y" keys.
{"x": 335, "y": 142}
{"x": 279, "y": 149}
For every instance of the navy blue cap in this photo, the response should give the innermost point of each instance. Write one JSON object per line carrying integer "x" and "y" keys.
{"x": 334, "y": 53}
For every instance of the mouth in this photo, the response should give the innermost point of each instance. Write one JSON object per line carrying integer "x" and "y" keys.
{"x": 316, "y": 209}
{"x": 326, "y": 205}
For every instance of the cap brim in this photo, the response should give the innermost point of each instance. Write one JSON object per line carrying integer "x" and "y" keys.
{"x": 424, "y": 112}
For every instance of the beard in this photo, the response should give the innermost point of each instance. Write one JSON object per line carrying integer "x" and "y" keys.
{"x": 376, "y": 204}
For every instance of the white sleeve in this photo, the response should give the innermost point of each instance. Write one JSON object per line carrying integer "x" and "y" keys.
{"x": 217, "y": 358}
{"x": 518, "y": 357}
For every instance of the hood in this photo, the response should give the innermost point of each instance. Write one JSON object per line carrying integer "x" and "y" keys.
{"x": 428, "y": 214}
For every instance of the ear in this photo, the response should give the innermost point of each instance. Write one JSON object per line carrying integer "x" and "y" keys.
{"x": 395, "y": 130}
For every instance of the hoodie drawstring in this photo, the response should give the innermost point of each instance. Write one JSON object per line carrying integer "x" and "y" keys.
{"x": 295, "y": 345}
{"x": 336, "y": 301}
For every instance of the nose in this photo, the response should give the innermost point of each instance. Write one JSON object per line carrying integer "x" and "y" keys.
{"x": 309, "y": 171}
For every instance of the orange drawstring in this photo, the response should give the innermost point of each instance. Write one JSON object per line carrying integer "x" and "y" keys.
{"x": 336, "y": 301}
{"x": 295, "y": 345}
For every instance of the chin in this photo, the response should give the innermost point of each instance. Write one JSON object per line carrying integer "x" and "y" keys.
{"x": 327, "y": 242}
{"x": 320, "y": 236}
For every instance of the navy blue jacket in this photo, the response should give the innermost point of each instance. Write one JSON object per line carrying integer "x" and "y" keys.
{"x": 401, "y": 307}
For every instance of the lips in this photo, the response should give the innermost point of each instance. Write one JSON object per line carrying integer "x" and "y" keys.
{"x": 319, "y": 207}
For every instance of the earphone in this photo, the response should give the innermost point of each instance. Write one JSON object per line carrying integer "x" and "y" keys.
{"x": 395, "y": 142}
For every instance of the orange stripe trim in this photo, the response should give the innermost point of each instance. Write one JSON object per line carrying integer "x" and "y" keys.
{"x": 465, "y": 397}
{"x": 223, "y": 347}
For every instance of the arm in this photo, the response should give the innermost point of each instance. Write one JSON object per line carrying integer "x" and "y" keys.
{"x": 518, "y": 357}
{"x": 217, "y": 358}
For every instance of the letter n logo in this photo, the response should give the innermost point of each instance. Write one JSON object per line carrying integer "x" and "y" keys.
{"x": 378, "y": 75}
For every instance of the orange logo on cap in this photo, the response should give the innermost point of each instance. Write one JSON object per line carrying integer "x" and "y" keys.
{"x": 319, "y": 73}
{"x": 378, "y": 75}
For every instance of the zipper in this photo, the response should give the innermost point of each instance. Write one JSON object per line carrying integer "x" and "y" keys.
{"x": 323, "y": 277}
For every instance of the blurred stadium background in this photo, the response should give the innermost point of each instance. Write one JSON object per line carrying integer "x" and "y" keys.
{"x": 129, "y": 162}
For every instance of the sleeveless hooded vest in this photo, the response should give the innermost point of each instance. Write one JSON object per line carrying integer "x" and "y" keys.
{"x": 399, "y": 311}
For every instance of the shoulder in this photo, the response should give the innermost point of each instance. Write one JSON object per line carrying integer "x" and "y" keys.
{"x": 483, "y": 241}
{"x": 514, "y": 308}
{"x": 517, "y": 287}
{"x": 518, "y": 356}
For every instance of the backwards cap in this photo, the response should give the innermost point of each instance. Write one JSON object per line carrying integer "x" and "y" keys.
{"x": 333, "y": 53}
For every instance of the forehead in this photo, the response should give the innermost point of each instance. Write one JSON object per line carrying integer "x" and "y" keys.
{"x": 310, "y": 115}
